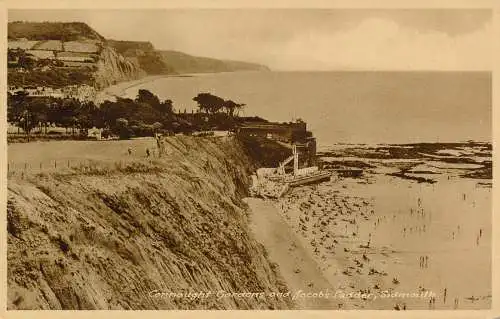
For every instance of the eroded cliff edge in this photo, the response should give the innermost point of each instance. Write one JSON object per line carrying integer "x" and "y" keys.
{"x": 110, "y": 236}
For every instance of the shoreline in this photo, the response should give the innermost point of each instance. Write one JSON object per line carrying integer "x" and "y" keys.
{"x": 296, "y": 265}
{"x": 118, "y": 90}
{"x": 368, "y": 235}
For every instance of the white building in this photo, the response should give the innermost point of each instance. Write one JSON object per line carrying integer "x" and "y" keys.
{"x": 95, "y": 133}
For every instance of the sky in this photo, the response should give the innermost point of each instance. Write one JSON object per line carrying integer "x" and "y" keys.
{"x": 304, "y": 39}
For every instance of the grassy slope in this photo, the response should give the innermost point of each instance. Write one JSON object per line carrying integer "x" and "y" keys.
{"x": 185, "y": 63}
{"x": 66, "y": 31}
{"x": 104, "y": 236}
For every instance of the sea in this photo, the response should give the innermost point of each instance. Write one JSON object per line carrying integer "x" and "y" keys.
{"x": 369, "y": 107}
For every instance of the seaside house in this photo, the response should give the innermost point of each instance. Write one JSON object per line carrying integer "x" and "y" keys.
{"x": 284, "y": 132}
{"x": 95, "y": 133}
{"x": 291, "y": 133}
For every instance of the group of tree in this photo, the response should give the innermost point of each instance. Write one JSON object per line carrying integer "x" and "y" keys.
{"x": 25, "y": 70}
{"x": 125, "y": 117}
{"x": 213, "y": 104}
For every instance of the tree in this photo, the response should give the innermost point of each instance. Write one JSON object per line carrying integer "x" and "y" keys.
{"x": 156, "y": 126}
{"x": 167, "y": 107}
{"x": 144, "y": 96}
{"x": 121, "y": 127}
{"x": 26, "y": 61}
{"x": 231, "y": 106}
{"x": 16, "y": 105}
{"x": 209, "y": 103}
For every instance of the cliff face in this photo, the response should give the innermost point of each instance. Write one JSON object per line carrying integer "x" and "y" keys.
{"x": 144, "y": 55}
{"x": 64, "y": 44}
{"x": 174, "y": 62}
{"x": 108, "y": 61}
{"x": 113, "y": 67}
{"x": 105, "y": 237}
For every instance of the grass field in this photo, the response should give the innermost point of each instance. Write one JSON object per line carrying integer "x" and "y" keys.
{"x": 44, "y": 156}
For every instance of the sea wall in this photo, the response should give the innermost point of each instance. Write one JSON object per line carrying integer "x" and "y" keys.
{"x": 122, "y": 237}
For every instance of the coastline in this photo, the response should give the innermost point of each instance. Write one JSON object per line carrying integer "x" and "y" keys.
{"x": 296, "y": 265}
{"x": 118, "y": 90}
{"x": 369, "y": 235}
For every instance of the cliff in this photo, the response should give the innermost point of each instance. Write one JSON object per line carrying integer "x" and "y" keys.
{"x": 185, "y": 63}
{"x": 113, "y": 68}
{"x": 144, "y": 55}
{"x": 112, "y": 235}
{"x": 72, "y": 53}
{"x": 65, "y": 53}
{"x": 155, "y": 61}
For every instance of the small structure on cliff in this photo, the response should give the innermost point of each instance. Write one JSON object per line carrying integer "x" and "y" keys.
{"x": 285, "y": 134}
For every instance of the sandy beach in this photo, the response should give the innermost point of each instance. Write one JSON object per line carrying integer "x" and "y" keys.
{"x": 429, "y": 245}
{"x": 119, "y": 89}
{"x": 297, "y": 265}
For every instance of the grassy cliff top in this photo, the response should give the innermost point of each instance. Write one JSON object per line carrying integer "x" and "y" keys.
{"x": 65, "y": 31}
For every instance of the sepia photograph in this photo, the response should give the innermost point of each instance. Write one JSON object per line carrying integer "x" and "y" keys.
{"x": 249, "y": 159}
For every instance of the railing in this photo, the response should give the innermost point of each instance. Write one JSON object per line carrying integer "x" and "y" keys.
{"x": 64, "y": 166}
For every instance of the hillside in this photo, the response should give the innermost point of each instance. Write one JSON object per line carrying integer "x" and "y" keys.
{"x": 67, "y": 31}
{"x": 58, "y": 54}
{"x": 185, "y": 63}
{"x": 113, "y": 233}
{"x": 174, "y": 62}
{"x": 144, "y": 55}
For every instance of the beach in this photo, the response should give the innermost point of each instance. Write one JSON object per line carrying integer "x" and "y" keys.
{"x": 404, "y": 244}
{"x": 119, "y": 89}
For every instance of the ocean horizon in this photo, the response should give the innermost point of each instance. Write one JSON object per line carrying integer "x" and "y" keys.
{"x": 356, "y": 107}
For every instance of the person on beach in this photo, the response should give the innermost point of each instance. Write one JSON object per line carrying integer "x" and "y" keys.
{"x": 480, "y": 232}
{"x": 147, "y": 152}
{"x": 444, "y": 295}
{"x": 129, "y": 151}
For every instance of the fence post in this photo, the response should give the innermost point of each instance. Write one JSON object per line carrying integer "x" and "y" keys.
{"x": 25, "y": 166}
{"x": 55, "y": 163}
